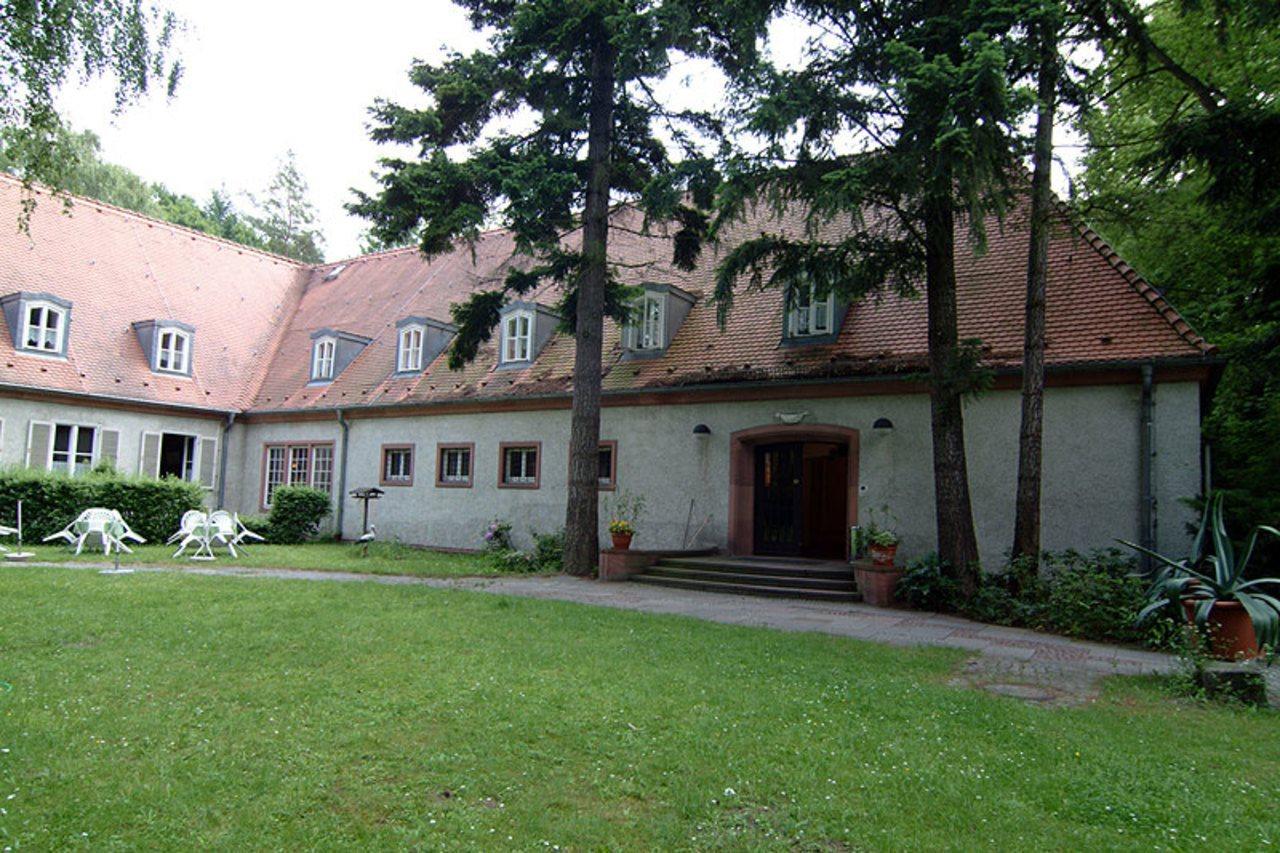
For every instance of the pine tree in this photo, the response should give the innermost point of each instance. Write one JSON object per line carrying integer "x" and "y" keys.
{"x": 578, "y": 75}
{"x": 286, "y": 217}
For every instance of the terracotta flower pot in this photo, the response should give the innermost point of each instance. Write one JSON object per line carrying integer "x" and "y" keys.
{"x": 876, "y": 582}
{"x": 1230, "y": 629}
{"x": 883, "y": 555}
{"x": 621, "y": 541}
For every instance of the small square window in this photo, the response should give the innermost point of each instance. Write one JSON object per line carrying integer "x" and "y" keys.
{"x": 397, "y": 465}
{"x": 520, "y": 466}
{"x": 173, "y": 352}
{"x": 44, "y": 327}
{"x": 810, "y": 316}
{"x": 453, "y": 465}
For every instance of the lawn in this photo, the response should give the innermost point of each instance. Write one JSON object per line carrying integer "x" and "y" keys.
{"x": 384, "y": 558}
{"x": 174, "y": 711}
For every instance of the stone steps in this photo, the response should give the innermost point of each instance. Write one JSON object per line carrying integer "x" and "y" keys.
{"x": 811, "y": 579}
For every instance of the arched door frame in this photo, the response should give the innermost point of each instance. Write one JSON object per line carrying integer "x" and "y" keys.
{"x": 742, "y": 474}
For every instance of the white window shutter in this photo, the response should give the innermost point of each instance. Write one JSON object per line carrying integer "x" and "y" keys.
{"x": 39, "y": 441}
{"x": 149, "y": 455}
{"x": 208, "y": 459}
{"x": 109, "y": 446}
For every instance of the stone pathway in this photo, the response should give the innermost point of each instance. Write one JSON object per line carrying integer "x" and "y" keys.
{"x": 1035, "y": 667}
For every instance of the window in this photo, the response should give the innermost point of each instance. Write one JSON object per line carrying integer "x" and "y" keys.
{"x": 44, "y": 325}
{"x": 811, "y": 316}
{"x": 322, "y": 359}
{"x": 397, "y": 464}
{"x": 648, "y": 320}
{"x": 296, "y": 465}
{"x": 517, "y": 337}
{"x": 177, "y": 456}
{"x": 73, "y": 448}
{"x": 608, "y": 464}
{"x": 453, "y": 465}
{"x": 519, "y": 466}
{"x": 173, "y": 351}
{"x": 410, "y": 356}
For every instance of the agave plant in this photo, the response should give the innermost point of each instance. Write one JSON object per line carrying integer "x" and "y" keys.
{"x": 1208, "y": 576}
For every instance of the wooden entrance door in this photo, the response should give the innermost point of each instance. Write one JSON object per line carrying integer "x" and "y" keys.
{"x": 779, "y": 508}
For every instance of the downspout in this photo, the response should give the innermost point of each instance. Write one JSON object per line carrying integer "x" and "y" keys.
{"x": 342, "y": 473}
{"x": 222, "y": 462}
{"x": 1146, "y": 453}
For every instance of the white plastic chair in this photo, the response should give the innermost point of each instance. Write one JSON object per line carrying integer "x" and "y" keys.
{"x": 223, "y": 528}
{"x": 7, "y": 531}
{"x": 107, "y": 524}
{"x": 190, "y": 519}
{"x": 243, "y": 533}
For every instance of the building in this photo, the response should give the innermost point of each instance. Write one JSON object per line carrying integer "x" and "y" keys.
{"x": 166, "y": 352}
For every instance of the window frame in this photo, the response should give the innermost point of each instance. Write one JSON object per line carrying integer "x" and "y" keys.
{"x": 317, "y": 346}
{"x": 441, "y": 449}
{"x": 160, "y": 351}
{"x": 527, "y": 338}
{"x": 387, "y": 449}
{"x": 612, "y": 485}
{"x": 29, "y": 305}
{"x": 288, "y": 448}
{"x": 72, "y": 442}
{"x": 401, "y": 350}
{"x": 506, "y": 447}
{"x": 639, "y": 330}
{"x": 808, "y": 309}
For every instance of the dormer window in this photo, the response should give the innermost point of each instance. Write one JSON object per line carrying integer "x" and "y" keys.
{"x": 38, "y": 322}
{"x": 811, "y": 315}
{"x": 332, "y": 350}
{"x": 517, "y": 337}
{"x": 167, "y": 345}
{"x": 323, "y": 354}
{"x": 44, "y": 326}
{"x": 655, "y": 317}
{"x": 409, "y": 357}
{"x": 649, "y": 321}
{"x": 173, "y": 355}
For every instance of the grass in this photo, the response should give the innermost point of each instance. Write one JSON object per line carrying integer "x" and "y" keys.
{"x": 385, "y": 558}
{"x": 172, "y": 711}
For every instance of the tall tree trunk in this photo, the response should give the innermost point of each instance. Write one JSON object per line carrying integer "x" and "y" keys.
{"x": 582, "y": 512}
{"x": 957, "y": 544}
{"x": 1026, "y": 524}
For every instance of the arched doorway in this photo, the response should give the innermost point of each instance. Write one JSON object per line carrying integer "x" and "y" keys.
{"x": 793, "y": 490}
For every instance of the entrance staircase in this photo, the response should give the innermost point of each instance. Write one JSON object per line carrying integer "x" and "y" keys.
{"x": 822, "y": 580}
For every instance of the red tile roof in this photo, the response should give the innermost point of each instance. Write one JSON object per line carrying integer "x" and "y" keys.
{"x": 254, "y": 314}
{"x": 116, "y": 268}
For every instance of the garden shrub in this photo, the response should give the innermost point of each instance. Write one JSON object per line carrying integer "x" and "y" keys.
{"x": 296, "y": 513}
{"x": 50, "y": 501}
{"x": 547, "y": 554}
{"x": 259, "y": 524}
{"x": 1093, "y": 596}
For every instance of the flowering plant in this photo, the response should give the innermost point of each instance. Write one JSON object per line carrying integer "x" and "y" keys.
{"x": 497, "y": 536}
{"x": 622, "y": 527}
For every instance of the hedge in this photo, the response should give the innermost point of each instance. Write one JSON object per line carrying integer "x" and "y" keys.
{"x": 50, "y": 501}
{"x": 296, "y": 513}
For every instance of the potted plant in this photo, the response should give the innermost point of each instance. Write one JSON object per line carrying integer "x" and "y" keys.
{"x": 1211, "y": 588}
{"x": 876, "y": 579}
{"x": 624, "y": 513}
{"x": 882, "y": 546}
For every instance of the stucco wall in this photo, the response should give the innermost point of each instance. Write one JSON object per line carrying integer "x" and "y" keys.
{"x": 1090, "y": 466}
{"x": 18, "y": 413}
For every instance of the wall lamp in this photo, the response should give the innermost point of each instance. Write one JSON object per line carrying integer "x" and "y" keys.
{"x": 702, "y": 431}
{"x": 884, "y": 426}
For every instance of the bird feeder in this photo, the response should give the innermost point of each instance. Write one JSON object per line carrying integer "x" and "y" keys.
{"x": 370, "y": 493}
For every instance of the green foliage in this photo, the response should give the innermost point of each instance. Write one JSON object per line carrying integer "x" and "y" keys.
{"x": 497, "y": 536}
{"x": 1093, "y": 596}
{"x": 296, "y": 513}
{"x": 547, "y": 555}
{"x": 259, "y": 524}
{"x": 286, "y": 218}
{"x": 1214, "y": 572}
{"x": 1191, "y": 196}
{"x": 46, "y": 44}
{"x": 50, "y": 501}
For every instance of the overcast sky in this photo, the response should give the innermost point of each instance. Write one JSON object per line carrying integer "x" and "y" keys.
{"x": 263, "y": 77}
{"x": 267, "y": 76}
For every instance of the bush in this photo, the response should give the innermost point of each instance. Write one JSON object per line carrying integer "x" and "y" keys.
{"x": 259, "y": 524}
{"x": 50, "y": 501}
{"x": 1094, "y": 596}
{"x": 296, "y": 513}
{"x": 547, "y": 555}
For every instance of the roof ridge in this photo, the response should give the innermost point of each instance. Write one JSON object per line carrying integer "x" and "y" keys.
{"x": 125, "y": 212}
{"x": 1136, "y": 280}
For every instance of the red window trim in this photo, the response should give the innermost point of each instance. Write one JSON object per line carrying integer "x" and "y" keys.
{"x": 382, "y": 464}
{"x": 613, "y": 465}
{"x": 471, "y": 470}
{"x": 311, "y": 462}
{"x": 502, "y": 464}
